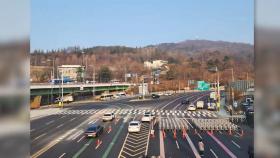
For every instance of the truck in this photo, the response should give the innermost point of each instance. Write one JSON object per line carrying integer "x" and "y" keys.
{"x": 213, "y": 96}
{"x": 66, "y": 99}
{"x": 199, "y": 104}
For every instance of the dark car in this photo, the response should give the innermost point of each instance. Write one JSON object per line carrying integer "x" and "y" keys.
{"x": 94, "y": 131}
{"x": 185, "y": 101}
{"x": 155, "y": 96}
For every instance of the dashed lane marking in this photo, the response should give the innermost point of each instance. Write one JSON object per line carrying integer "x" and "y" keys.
{"x": 80, "y": 139}
{"x": 222, "y": 145}
{"x": 235, "y": 144}
{"x": 213, "y": 153}
{"x": 177, "y": 145}
{"x": 61, "y": 155}
{"x": 82, "y": 149}
{"x": 40, "y": 136}
{"x": 59, "y": 125}
{"x": 192, "y": 146}
{"x": 50, "y": 122}
{"x": 161, "y": 145}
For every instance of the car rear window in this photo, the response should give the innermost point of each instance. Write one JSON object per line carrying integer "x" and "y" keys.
{"x": 107, "y": 114}
{"x": 147, "y": 115}
{"x": 133, "y": 124}
{"x": 92, "y": 128}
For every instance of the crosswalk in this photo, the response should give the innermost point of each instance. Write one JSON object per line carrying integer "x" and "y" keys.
{"x": 162, "y": 113}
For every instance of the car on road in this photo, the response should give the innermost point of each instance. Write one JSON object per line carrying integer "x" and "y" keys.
{"x": 108, "y": 116}
{"x": 191, "y": 107}
{"x": 150, "y": 113}
{"x": 134, "y": 126}
{"x": 199, "y": 104}
{"x": 185, "y": 101}
{"x": 155, "y": 96}
{"x": 94, "y": 131}
{"x": 211, "y": 106}
{"x": 147, "y": 117}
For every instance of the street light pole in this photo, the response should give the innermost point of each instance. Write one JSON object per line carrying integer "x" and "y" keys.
{"x": 219, "y": 99}
{"x": 232, "y": 90}
{"x": 62, "y": 99}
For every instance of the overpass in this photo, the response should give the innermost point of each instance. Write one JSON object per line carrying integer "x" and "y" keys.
{"x": 47, "y": 88}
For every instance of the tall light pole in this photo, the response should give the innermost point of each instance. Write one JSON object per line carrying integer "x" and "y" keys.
{"x": 232, "y": 90}
{"x": 83, "y": 66}
{"x": 62, "y": 99}
{"x": 93, "y": 79}
{"x": 219, "y": 98}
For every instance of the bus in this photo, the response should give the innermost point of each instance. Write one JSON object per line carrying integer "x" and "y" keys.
{"x": 59, "y": 81}
{"x": 105, "y": 97}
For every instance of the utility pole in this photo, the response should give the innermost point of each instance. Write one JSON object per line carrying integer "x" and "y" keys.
{"x": 143, "y": 89}
{"x": 232, "y": 90}
{"x": 61, "y": 99}
{"x": 219, "y": 99}
{"x": 179, "y": 87}
{"x": 125, "y": 78}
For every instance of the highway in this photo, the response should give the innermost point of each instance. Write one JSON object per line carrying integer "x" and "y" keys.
{"x": 176, "y": 131}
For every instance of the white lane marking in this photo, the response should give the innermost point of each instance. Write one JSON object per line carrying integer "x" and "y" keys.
{"x": 148, "y": 139}
{"x": 59, "y": 125}
{"x": 92, "y": 122}
{"x": 162, "y": 152}
{"x": 177, "y": 145}
{"x": 73, "y": 119}
{"x": 77, "y": 134}
{"x": 123, "y": 145}
{"x": 193, "y": 147}
{"x": 189, "y": 123}
{"x": 61, "y": 155}
{"x": 40, "y": 136}
{"x": 80, "y": 139}
{"x": 222, "y": 145}
{"x": 235, "y": 144}
{"x": 213, "y": 153}
{"x": 199, "y": 135}
{"x": 49, "y": 122}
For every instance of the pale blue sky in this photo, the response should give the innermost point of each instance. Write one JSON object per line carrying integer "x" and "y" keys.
{"x": 85, "y": 23}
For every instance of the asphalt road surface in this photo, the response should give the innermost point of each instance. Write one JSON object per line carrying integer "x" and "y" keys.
{"x": 176, "y": 131}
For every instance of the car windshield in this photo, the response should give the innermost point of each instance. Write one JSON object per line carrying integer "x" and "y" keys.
{"x": 133, "y": 124}
{"x": 94, "y": 128}
{"x": 107, "y": 114}
{"x": 147, "y": 115}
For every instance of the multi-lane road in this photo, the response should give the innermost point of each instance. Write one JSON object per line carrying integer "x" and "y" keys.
{"x": 176, "y": 131}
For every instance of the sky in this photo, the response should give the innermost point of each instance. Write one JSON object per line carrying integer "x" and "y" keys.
{"x": 135, "y": 23}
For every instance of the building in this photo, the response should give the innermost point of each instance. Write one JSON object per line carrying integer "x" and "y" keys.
{"x": 155, "y": 64}
{"x": 242, "y": 85}
{"x": 72, "y": 72}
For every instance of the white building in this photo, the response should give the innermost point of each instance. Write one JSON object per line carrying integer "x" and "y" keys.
{"x": 70, "y": 71}
{"x": 155, "y": 64}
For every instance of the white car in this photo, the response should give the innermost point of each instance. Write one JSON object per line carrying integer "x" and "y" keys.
{"x": 200, "y": 104}
{"x": 211, "y": 106}
{"x": 150, "y": 113}
{"x": 191, "y": 107}
{"x": 134, "y": 126}
{"x": 108, "y": 116}
{"x": 147, "y": 117}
